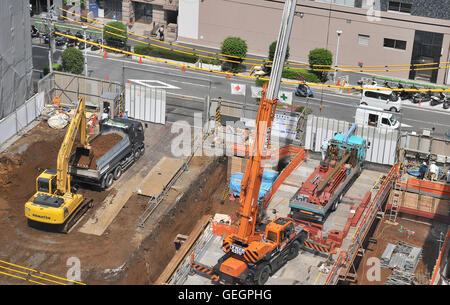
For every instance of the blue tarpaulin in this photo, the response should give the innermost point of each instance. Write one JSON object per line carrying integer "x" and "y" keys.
{"x": 268, "y": 178}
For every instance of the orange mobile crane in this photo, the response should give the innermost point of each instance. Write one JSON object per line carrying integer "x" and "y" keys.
{"x": 257, "y": 249}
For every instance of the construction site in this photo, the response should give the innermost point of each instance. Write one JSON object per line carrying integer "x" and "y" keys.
{"x": 99, "y": 186}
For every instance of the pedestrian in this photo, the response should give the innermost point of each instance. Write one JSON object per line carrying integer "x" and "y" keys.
{"x": 161, "y": 33}
{"x": 434, "y": 171}
{"x": 105, "y": 114}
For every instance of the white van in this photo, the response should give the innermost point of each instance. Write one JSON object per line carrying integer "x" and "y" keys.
{"x": 386, "y": 100}
{"x": 374, "y": 117}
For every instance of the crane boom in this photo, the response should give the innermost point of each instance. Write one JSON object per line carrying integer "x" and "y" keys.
{"x": 251, "y": 181}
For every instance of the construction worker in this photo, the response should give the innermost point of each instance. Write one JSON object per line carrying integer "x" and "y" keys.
{"x": 434, "y": 170}
{"x": 422, "y": 170}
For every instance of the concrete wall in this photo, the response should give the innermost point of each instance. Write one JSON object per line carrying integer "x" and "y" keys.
{"x": 258, "y": 23}
{"x": 15, "y": 55}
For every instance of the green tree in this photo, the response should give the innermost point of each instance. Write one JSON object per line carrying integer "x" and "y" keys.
{"x": 272, "y": 48}
{"x": 318, "y": 57}
{"x": 236, "y": 47}
{"x": 118, "y": 38}
{"x": 72, "y": 60}
{"x": 56, "y": 67}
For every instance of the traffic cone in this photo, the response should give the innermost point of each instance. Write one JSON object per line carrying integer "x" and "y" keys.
{"x": 104, "y": 56}
{"x": 140, "y": 60}
{"x": 307, "y": 154}
{"x": 107, "y": 77}
{"x": 228, "y": 75}
{"x": 338, "y": 82}
{"x": 184, "y": 68}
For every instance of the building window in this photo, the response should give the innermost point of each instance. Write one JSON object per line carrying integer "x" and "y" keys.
{"x": 400, "y": 7}
{"x": 143, "y": 12}
{"x": 395, "y": 44}
{"x": 363, "y": 40}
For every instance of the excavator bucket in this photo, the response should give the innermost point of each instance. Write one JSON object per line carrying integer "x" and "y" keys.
{"x": 83, "y": 157}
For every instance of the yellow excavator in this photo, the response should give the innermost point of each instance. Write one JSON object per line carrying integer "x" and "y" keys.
{"x": 54, "y": 202}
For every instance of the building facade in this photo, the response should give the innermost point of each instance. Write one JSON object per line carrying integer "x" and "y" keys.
{"x": 374, "y": 32}
{"x": 16, "y": 62}
{"x": 154, "y": 12}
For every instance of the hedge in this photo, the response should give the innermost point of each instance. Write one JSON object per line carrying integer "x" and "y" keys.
{"x": 56, "y": 67}
{"x": 293, "y": 74}
{"x": 144, "y": 49}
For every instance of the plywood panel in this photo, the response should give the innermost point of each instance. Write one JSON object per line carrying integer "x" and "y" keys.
{"x": 160, "y": 175}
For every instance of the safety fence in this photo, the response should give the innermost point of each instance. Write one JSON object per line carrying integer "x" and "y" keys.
{"x": 67, "y": 87}
{"x": 21, "y": 117}
{"x": 240, "y": 60}
{"x": 185, "y": 66}
{"x": 33, "y": 276}
{"x": 416, "y": 145}
{"x": 346, "y": 258}
{"x": 383, "y": 141}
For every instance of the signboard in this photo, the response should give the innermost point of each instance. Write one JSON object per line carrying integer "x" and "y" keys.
{"x": 284, "y": 97}
{"x": 283, "y": 125}
{"x": 93, "y": 7}
{"x": 238, "y": 89}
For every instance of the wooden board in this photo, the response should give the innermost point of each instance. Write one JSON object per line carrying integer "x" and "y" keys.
{"x": 236, "y": 165}
{"x": 184, "y": 249}
{"x": 160, "y": 175}
{"x": 425, "y": 203}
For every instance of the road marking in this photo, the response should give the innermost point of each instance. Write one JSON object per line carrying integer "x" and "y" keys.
{"x": 147, "y": 83}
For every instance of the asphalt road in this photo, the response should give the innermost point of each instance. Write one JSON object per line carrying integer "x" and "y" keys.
{"x": 186, "y": 91}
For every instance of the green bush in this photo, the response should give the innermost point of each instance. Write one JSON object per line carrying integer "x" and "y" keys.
{"x": 56, "y": 67}
{"x": 320, "y": 57}
{"x": 272, "y": 48}
{"x": 72, "y": 60}
{"x": 234, "y": 46}
{"x": 210, "y": 61}
{"x": 117, "y": 28}
{"x": 291, "y": 73}
{"x": 144, "y": 49}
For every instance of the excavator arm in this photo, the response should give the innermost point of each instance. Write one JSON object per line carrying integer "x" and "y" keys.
{"x": 77, "y": 126}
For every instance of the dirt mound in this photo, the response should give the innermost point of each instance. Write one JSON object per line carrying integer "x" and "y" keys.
{"x": 99, "y": 146}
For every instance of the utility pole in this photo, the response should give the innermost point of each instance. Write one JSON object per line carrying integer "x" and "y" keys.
{"x": 51, "y": 44}
{"x": 339, "y": 33}
{"x": 84, "y": 27}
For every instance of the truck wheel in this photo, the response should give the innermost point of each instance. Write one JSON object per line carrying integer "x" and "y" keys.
{"x": 335, "y": 205}
{"x": 393, "y": 109}
{"x": 118, "y": 172}
{"x": 109, "y": 179}
{"x": 293, "y": 251}
{"x": 137, "y": 154}
{"x": 263, "y": 275}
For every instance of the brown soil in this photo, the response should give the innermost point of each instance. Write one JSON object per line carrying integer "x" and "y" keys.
{"x": 389, "y": 233}
{"x": 48, "y": 251}
{"x": 202, "y": 198}
{"x": 99, "y": 146}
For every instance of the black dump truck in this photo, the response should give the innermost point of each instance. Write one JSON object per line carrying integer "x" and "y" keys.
{"x": 118, "y": 145}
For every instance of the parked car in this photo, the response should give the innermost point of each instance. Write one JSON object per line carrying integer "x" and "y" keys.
{"x": 385, "y": 99}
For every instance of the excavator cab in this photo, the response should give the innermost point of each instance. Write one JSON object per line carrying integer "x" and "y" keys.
{"x": 46, "y": 182}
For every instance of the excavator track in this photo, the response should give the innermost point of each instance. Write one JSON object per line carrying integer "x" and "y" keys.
{"x": 76, "y": 215}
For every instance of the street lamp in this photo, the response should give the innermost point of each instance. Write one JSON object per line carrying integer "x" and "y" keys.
{"x": 339, "y": 33}
{"x": 84, "y": 27}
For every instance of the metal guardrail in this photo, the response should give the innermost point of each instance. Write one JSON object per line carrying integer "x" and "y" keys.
{"x": 346, "y": 258}
{"x": 199, "y": 249}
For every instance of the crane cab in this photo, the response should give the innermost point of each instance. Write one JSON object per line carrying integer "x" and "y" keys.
{"x": 280, "y": 231}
